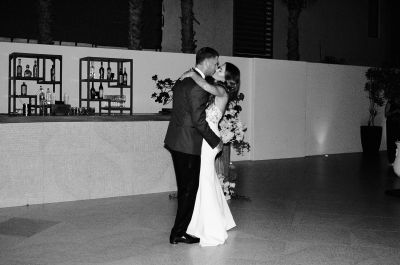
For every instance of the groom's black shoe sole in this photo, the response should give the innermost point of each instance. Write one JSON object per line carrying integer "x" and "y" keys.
{"x": 187, "y": 239}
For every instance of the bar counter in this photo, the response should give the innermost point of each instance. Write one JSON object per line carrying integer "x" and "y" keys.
{"x": 66, "y": 158}
{"x": 5, "y": 118}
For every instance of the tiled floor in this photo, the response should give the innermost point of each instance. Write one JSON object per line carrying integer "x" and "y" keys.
{"x": 316, "y": 210}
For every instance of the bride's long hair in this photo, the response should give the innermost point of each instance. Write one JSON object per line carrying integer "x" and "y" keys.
{"x": 231, "y": 83}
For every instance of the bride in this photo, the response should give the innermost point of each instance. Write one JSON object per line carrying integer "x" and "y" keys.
{"x": 211, "y": 215}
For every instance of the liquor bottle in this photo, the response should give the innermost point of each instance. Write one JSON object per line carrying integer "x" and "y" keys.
{"x": 23, "y": 89}
{"x": 53, "y": 73}
{"x": 35, "y": 69}
{"x": 91, "y": 73}
{"x": 120, "y": 76}
{"x": 101, "y": 71}
{"x": 41, "y": 100}
{"x": 125, "y": 77}
{"x": 101, "y": 91}
{"x": 19, "y": 68}
{"x": 53, "y": 98}
{"x": 48, "y": 97}
{"x": 92, "y": 92}
{"x": 108, "y": 71}
{"x": 27, "y": 72}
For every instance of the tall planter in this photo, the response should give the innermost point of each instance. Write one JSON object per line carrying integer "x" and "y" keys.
{"x": 371, "y": 139}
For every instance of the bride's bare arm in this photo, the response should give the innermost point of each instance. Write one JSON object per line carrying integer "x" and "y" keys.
{"x": 216, "y": 90}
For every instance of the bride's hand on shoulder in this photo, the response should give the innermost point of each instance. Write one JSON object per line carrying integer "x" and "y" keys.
{"x": 188, "y": 73}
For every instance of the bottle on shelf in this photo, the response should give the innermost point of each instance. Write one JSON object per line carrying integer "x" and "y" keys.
{"x": 27, "y": 72}
{"x": 92, "y": 92}
{"x": 53, "y": 73}
{"x": 23, "y": 89}
{"x": 91, "y": 73}
{"x": 101, "y": 91}
{"x": 19, "y": 68}
{"x": 53, "y": 98}
{"x": 101, "y": 71}
{"x": 108, "y": 71}
{"x": 125, "y": 77}
{"x": 120, "y": 76}
{"x": 35, "y": 69}
{"x": 48, "y": 97}
{"x": 41, "y": 100}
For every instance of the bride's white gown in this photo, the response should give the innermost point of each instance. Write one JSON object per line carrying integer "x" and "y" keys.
{"x": 211, "y": 215}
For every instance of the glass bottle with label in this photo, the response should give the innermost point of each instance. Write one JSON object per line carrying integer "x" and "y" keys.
{"x": 101, "y": 91}
{"x": 101, "y": 71}
{"x": 27, "y": 72}
{"x": 35, "y": 69}
{"x": 92, "y": 92}
{"x": 48, "y": 97}
{"x": 41, "y": 100}
{"x": 19, "y": 68}
{"x": 120, "y": 76}
{"x": 125, "y": 77}
{"x": 108, "y": 71}
{"x": 23, "y": 89}
{"x": 53, "y": 73}
{"x": 91, "y": 73}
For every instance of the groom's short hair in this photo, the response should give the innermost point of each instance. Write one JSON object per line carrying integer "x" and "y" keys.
{"x": 205, "y": 53}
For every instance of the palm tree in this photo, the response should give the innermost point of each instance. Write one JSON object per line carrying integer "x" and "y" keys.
{"x": 294, "y": 8}
{"x": 135, "y": 8}
{"x": 188, "y": 41}
{"x": 45, "y": 21}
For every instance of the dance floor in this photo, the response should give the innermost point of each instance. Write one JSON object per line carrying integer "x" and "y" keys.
{"x": 313, "y": 210}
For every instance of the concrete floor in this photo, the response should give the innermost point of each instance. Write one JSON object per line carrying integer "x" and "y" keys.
{"x": 315, "y": 210}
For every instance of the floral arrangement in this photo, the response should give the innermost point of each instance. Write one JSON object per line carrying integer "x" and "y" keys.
{"x": 164, "y": 87}
{"x": 232, "y": 129}
{"x": 227, "y": 187}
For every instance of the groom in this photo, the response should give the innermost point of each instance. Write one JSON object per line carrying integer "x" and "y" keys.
{"x": 186, "y": 130}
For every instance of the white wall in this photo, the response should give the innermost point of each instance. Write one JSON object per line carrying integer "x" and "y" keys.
{"x": 291, "y": 109}
{"x": 336, "y": 106}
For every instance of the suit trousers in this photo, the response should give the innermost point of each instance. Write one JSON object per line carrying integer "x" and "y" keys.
{"x": 187, "y": 171}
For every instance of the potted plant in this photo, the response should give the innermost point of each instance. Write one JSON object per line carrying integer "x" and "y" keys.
{"x": 376, "y": 85}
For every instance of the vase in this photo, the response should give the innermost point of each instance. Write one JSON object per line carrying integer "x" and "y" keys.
{"x": 223, "y": 160}
{"x": 371, "y": 139}
{"x": 396, "y": 163}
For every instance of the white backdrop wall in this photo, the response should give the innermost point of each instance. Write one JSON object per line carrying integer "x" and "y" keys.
{"x": 336, "y": 107}
{"x": 291, "y": 109}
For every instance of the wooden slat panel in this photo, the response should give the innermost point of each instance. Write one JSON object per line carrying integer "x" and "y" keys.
{"x": 253, "y": 28}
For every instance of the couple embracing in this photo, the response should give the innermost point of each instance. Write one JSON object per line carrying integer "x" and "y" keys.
{"x": 194, "y": 140}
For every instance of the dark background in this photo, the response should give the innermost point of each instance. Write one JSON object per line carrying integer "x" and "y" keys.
{"x": 97, "y": 22}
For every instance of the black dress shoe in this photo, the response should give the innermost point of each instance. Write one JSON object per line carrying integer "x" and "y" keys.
{"x": 185, "y": 238}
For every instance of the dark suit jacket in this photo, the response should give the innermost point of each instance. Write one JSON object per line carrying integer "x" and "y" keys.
{"x": 188, "y": 125}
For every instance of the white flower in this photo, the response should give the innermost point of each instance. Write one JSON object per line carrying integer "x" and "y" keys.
{"x": 227, "y": 136}
{"x": 227, "y": 197}
{"x": 232, "y": 185}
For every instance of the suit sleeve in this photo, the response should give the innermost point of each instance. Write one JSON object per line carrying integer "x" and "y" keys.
{"x": 198, "y": 101}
